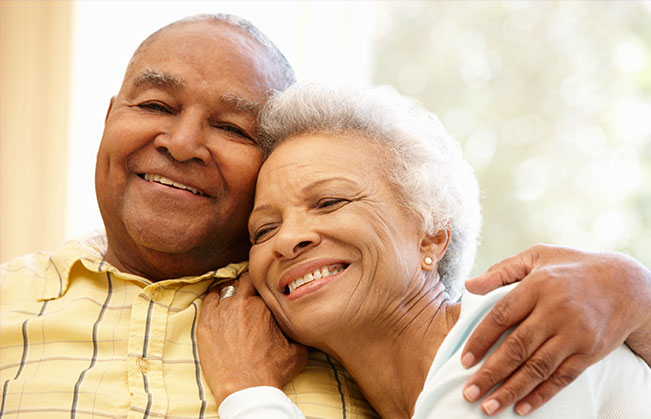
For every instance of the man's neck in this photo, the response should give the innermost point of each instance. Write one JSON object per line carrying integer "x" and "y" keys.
{"x": 157, "y": 266}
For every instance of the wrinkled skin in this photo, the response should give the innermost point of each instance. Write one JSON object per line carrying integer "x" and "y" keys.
{"x": 574, "y": 307}
{"x": 241, "y": 345}
{"x": 186, "y": 111}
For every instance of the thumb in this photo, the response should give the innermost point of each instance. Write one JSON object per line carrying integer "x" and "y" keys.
{"x": 506, "y": 272}
{"x": 485, "y": 283}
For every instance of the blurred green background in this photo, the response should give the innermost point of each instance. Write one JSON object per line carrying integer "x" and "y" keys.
{"x": 551, "y": 102}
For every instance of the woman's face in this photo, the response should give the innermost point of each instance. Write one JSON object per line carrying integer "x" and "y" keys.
{"x": 333, "y": 251}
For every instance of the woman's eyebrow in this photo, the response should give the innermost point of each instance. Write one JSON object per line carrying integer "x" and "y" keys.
{"x": 333, "y": 179}
{"x": 306, "y": 189}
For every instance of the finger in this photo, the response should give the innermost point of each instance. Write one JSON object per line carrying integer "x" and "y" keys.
{"x": 510, "y": 310}
{"x": 565, "y": 374}
{"x": 486, "y": 282}
{"x": 245, "y": 286}
{"x": 220, "y": 289}
{"x": 510, "y": 355}
{"x": 210, "y": 300}
{"x": 212, "y": 297}
{"x": 536, "y": 370}
{"x": 506, "y": 272}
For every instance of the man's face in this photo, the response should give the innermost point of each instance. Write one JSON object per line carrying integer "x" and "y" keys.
{"x": 177, "y": 163}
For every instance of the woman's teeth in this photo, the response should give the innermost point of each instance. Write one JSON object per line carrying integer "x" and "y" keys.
{"x": 322, "y": 272}
{"x": 169, "y": 182}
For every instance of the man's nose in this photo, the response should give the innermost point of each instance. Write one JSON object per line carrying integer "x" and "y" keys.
{"x": 294, "y": 239}
{"x": 185, "y": 140}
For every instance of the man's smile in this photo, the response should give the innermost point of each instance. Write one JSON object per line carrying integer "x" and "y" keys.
{"x": 169, "y": 182}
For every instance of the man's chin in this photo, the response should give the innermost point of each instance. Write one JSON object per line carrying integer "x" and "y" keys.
{"x": 162, "y": 261}
{"x": 168, "y": 243}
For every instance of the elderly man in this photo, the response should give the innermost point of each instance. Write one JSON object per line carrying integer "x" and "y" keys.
{"x": 107, "y": 327}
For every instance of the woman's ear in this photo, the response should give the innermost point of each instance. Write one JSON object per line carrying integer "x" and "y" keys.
{"x": 432, "y": 249}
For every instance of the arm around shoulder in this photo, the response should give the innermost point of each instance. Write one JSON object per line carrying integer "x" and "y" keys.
{"x": 640, "y": 339}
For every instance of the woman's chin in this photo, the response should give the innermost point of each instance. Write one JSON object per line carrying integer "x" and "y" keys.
{"x": 318, "y": 332}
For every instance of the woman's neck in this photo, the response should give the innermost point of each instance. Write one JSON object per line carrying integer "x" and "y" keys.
{"x": 390, "y": 362}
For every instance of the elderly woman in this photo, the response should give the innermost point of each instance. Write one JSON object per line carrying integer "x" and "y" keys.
{"x": 365, "y": 222}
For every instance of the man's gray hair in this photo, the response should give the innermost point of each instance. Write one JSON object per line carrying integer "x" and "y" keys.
{"x": 285, "y": 69}
{"x": 422, "y": 162}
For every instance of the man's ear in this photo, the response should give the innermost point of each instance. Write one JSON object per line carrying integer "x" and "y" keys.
{"x": 432, "y": 249}
{"x": 108, "y": 111}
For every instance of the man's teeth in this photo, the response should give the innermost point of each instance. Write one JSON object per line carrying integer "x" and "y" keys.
{"x": 170, "y": 182}
{"x": 322, "y": 272}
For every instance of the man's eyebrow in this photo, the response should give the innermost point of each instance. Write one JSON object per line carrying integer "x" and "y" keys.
{"x": 158, "y": 79}
{"x": 240, "y": 104}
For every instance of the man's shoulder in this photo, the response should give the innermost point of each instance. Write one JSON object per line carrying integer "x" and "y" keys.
{"x": 32, "y": 264}
{"x": 39, "y": 274}
{"x": 22, "y": 279}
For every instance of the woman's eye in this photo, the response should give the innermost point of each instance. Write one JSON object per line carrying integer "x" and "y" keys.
{"x": 331, "y": 202}
{"x": 261, "y": 235}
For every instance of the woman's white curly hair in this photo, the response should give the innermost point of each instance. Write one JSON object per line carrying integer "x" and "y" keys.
{"x": 423, "y": 163}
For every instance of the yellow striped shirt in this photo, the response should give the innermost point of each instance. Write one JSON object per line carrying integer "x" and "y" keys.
{"x": 80, "y": 339}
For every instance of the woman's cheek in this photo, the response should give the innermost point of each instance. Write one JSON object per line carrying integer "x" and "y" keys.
{"x": 255, "y": 266}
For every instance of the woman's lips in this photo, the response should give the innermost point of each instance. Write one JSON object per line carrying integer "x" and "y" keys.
{"x": 308, "y": 272}
{"x": 318, "y": 273}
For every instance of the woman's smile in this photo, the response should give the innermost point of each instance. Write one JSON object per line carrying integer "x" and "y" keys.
{"x": 310, "y": 276}
{"x": 316, "y": 253}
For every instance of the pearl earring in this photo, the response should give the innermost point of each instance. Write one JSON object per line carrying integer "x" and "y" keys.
{"x": 428, "y": 260}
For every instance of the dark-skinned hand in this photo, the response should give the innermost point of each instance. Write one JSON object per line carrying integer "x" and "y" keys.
{"x": 571, "y": 309}
{"x": 241, "y": 345}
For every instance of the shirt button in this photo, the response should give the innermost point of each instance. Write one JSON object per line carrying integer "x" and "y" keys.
{"x": 143, "y": 364}
{"x": 156, "y": 294}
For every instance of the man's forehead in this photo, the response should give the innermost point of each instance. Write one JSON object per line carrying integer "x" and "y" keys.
{"x": 199, "y": 35}
{"x": 186, "y": 39}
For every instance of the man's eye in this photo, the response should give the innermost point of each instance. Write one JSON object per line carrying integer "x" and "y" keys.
{"x": 155, "y": 106}
{"x": 231, "y": 129}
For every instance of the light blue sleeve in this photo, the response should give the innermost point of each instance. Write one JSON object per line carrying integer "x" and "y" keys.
{"x": 617, "y": 387}
{"x": 259, "y": 402}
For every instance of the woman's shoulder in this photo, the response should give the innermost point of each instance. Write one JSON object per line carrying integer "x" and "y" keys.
{"x": 616, "y": 387}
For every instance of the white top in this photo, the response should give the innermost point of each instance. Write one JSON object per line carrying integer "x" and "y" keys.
{"x": 619, "y": 386}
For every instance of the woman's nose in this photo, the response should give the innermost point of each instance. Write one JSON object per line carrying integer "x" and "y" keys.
{"x": 293, "y": 240}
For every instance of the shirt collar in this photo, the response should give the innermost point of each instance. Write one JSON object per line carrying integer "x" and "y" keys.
{"x": 91, "y": 251}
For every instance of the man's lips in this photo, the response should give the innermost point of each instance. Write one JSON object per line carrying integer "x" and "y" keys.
{"x": 150, "y": 177}
{"x": 308, "y": 272}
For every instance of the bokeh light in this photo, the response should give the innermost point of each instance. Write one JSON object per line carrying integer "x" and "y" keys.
{"x": 551, "y": 102}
